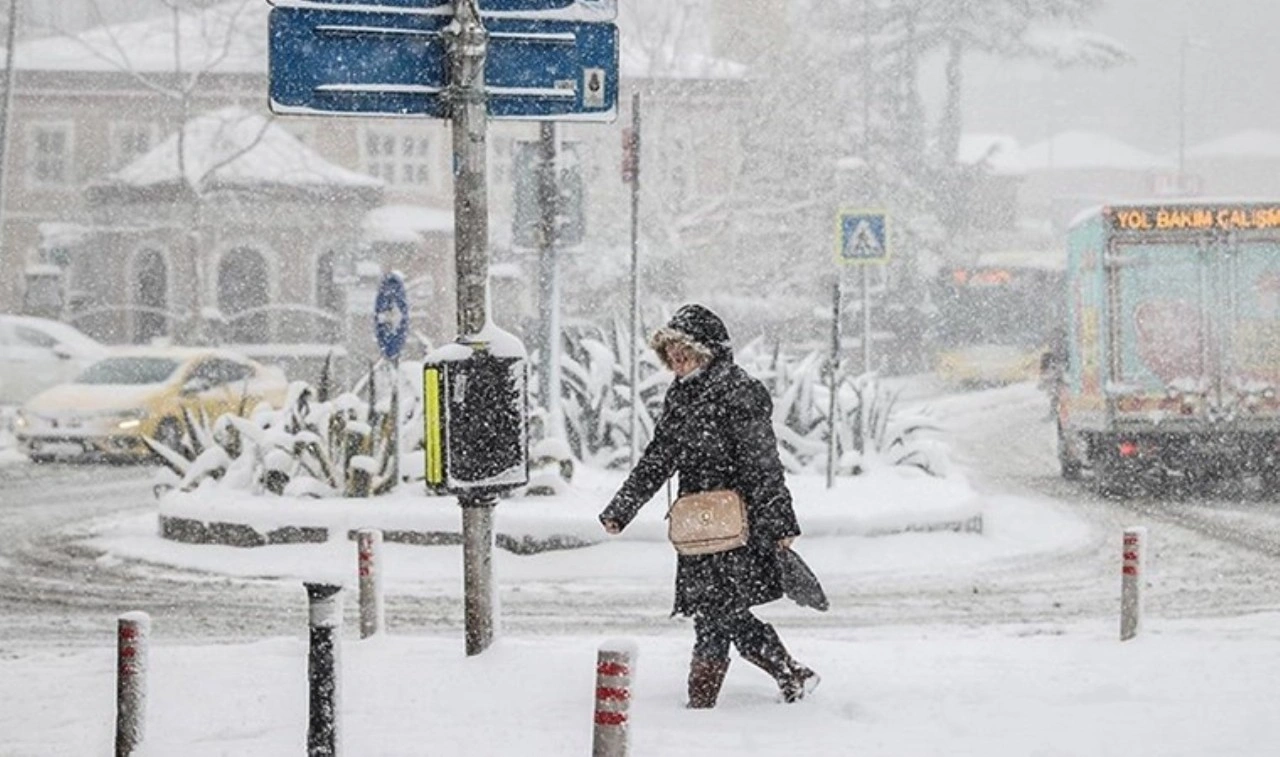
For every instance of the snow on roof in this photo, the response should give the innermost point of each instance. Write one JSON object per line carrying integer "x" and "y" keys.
{"x": 1073, "y": 150}
{"x": 998, "y": 151}
{"x": 397, "y": 224}
{"x": 229, "y": 37}
{"x": 233, "y": 146}
{"x": 62, "y": 234}
{"x": 1251, "y": 143}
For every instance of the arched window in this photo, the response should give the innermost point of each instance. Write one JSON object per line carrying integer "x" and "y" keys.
{"x": 150, "y": 291}
{"x": 242, "y": 286}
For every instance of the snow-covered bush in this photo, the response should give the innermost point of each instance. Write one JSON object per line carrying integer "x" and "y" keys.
{"x": 595, "y": 403}
{"x": 312, "y": 446}
{"x": 595, "y": 395}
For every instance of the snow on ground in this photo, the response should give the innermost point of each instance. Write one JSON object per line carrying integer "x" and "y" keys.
{"x": 1186, "y": 688}
{"x": 8, "y": 450}
{"x": 1183, "y": 687}
{"x": 838, "y": 543}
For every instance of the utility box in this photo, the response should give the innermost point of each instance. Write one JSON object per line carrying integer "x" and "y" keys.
{"x": 475, "y": 413}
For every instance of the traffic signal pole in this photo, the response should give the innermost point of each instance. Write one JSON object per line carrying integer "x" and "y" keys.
{"x": 468, "y": 45}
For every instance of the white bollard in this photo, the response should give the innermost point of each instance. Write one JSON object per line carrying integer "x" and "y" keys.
{"x": 369, "y": 561}
{"x": 133, "y": 632}
{"x": 613, "y": 700}
{"x": 1132, "y": 573}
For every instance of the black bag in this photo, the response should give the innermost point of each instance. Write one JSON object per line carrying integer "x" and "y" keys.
{"x": 799, "y": 583}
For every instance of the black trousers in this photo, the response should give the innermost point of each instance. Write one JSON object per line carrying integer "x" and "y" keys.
{"x": 714, "y": 632}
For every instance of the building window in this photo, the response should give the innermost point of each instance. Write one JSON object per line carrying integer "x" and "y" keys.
{"x": 130, "y": 140}
{"x": 398, "y": 158}
{"x": 50, "y": 154}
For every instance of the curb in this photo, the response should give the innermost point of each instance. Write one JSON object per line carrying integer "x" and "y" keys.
{"x": 193, "y": 531}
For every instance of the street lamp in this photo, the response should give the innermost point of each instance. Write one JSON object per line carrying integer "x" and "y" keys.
{"x": 1187, "y": 42}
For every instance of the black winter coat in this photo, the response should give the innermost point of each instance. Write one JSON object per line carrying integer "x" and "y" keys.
{"x": 716, "y": 432}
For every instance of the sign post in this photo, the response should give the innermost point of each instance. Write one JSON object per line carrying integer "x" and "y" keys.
{"x": 862, "y": 238}
{"x": 519, "y": 59}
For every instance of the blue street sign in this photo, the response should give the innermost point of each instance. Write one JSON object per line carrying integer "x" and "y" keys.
{"x": 563, "y": 10}
{"x": 861, "y": 237}
{"x": 391, "y": 316}
{"x": 343, "y": 62}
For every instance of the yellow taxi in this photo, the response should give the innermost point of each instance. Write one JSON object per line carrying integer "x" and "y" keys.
{"x": 141, "y": 392}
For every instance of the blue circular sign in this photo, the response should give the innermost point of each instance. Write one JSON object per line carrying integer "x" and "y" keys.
{"x": 391, "y": 316}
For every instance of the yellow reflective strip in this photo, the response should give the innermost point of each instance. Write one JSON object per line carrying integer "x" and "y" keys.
{"x": 433, "y": 431}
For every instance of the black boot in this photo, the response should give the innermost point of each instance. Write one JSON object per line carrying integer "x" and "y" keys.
{"x": 705, "y": 678}
{"x": 766, "y": 652}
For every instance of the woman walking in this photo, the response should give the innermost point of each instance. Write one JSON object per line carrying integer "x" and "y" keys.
{"x": 716, "y": 431}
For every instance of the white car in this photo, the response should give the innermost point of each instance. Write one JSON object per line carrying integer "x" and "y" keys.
{"x": 37, "y": 353}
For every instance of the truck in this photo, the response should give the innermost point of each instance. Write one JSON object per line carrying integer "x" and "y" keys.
{"x": 1170, "y": 356}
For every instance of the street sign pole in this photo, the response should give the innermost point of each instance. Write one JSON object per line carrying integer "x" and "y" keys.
{"x": 631, "y": 170}
{"x": 862, "y": 237}
{"x": 834, "y": 381}
{"x": 548, "y": 212}
{"x": 467, "y": 46}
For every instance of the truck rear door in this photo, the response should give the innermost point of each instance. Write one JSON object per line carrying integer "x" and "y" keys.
{"x": 1250, "y": 330}
{"x": 1160, "y": 296}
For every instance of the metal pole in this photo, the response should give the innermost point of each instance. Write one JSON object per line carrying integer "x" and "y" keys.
{"x": 468, "y": 44}
{"x": 611, "y": 737}
{"x": 324, "y": 621}
{"x": 7, "y": 105}
{"x": 133, "y": 632}
{"x": 546, "y": 179}
{"x": 1132, "y": 574}
{"x": 1182, "y": 110}
{"x": 866, "y": 81}
{"x": 395, "y": 421}
{"x": 835, "y": 363}
{"x": 866, "y": 318}
{"x": 634, "y": 157}
{"x": 369, "y": 573}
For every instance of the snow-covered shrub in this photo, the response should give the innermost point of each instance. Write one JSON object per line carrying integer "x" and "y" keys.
{"x": 312, "y": 446}
{"x": 801, "y": 389}
{"x": 595, "y": 391}
{"x": 595, "y": 402}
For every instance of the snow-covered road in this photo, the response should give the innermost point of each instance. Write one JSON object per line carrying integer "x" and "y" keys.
{"x": 1209, "y": 557}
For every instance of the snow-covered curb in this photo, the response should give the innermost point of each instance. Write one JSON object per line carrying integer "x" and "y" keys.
{"x": 890, "y": 500}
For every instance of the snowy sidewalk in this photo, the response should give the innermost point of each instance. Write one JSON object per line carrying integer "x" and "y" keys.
{"x": 1189, "y": 688}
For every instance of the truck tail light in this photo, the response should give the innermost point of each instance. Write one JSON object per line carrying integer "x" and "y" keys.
{"x": 1128, "y": 449}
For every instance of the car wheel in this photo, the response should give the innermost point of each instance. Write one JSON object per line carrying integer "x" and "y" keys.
{"x": 169, "y": 433}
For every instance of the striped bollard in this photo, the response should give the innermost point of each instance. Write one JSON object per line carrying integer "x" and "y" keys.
{"x": 325, "y": 621}
{"x": 369, "y": 561}
{"x": 1131, "y": 575}
{"x": 133, "y": 633}
{"x": 613, "y": 700}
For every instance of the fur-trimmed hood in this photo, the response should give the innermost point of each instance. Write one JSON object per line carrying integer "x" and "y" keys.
{"x": 698, "y": 328}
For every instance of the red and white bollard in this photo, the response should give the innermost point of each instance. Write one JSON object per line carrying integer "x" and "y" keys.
{"x": 1132, "y": 572}
{"x": 133, "y": 633}
{"x": 369, "y": 568}
{"x": 613, "y": 699}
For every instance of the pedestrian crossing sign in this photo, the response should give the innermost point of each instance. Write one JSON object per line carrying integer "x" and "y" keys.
{"x": 861, "y": 237}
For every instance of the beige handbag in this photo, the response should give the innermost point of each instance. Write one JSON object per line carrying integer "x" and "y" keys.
{"x": 707, "y": 522}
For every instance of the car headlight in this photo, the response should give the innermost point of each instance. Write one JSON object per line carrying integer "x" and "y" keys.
{"x": 129, "y": 419}
{"x": 19, "y": 420}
